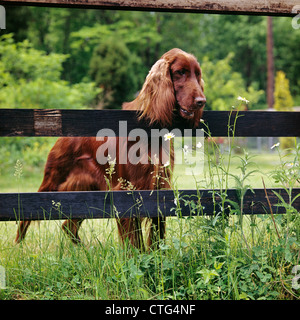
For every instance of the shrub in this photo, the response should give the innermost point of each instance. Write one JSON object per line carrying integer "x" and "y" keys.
{"x": 283, "y": 101}
{"x": 30, "y": 78}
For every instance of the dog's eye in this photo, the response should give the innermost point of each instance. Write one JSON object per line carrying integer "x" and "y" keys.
{"x": 181, "y": 72}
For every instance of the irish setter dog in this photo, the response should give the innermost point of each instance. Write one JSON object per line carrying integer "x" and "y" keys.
{"x": 174, "y": 86}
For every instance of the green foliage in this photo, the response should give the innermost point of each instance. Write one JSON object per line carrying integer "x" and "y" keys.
{"x": 116, "y": 56}
{"x": 32, "y": 79}
{"x": 150, "y": 34}
{"x": 22, "y": 61}
{"x": 283, "y": 101}
{"x": 223, "y": 85}
{"x": 223, "y": 256}
{"x": 112, "y": 67}
{"x": 32, "y": 151}
{"x": 287, "y": 55}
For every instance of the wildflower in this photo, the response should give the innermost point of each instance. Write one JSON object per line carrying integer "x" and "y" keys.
{"x": 155, "y": 160}
{"x": 185, "y": 149}
{"x": 199, "y": 145}
{"x": 275, "y": 145}
{"x": 167, "y": 164}
{"x": 111, "y": 170}
{"x": 18, "y": 169}
{"x": 112, "y": 163}
{"x": 169, "y": 136}
{"x": 56, "y": 205}
{"x": 243, "y": 99}
{"x": 292, "y": 164}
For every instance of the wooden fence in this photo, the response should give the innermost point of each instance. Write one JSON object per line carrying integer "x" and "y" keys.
{"x": 102, "y": 204}
{"x": 257, "y": 7}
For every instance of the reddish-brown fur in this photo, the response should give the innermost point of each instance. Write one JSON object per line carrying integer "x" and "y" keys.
{"x": 173, "y": 85}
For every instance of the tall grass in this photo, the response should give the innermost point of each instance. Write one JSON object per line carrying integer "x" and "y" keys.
{"x": 224, "y": 256}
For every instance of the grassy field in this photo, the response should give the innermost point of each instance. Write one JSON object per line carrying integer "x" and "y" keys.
{"x": 235, "y": 257}
{"x": 265, "y": 163}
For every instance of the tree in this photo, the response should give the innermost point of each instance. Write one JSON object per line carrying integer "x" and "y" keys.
{"x": 282, "y": 95}
{"x": 147, "y": 35}
{"x": 283, "y": 102}
{"x": 112, "y": 69}
{"x": 223, "y": 85}
{"x": 270, "y": 64}
{"x": 30, "y": 78}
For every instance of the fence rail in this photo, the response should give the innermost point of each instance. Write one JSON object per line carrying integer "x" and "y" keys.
{"x": 257, "y": 7}
{"x": 81, "y": 123}
{"x": 142, "y": 203}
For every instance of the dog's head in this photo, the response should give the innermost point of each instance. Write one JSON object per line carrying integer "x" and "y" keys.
{"x": 173, "y": 83}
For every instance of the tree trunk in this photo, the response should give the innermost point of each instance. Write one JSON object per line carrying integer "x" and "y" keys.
{"x": 270, "y": 64}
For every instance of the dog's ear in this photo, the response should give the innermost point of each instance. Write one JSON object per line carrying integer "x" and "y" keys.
{"x": 156, "y": 100}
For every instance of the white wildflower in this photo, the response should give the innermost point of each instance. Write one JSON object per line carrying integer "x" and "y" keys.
{"x": 111, "y": 169}
{"x": 199, "y": 145}
{"x": 112, "y": 163}
{"x": 275, "y": 145}
{"x": 243, "y": 99}
{"x": 18, "y": 169}
{"x": 167, "y": 164}
{"x": 155, "y": 159}
{"x": 56, "y": 205}
{"x": 169, "y": 136}
{"x": 185, "y": 149}
{"x": 292, "y": 164}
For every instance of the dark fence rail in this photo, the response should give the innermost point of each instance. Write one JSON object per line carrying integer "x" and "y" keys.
{"x": 114, "y": 204}
{"x": 39, "y": 122}
{"x": 257, "y": 7}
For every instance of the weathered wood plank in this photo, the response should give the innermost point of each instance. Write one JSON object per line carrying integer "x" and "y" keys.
{"x": 88, "y": 122}
{"x": 101, "y": 204}
{"x": 267, "y": 7}
{"x": 47, "y": 122}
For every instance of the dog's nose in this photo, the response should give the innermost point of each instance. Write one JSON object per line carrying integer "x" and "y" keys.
{"x": 200, "y": 101}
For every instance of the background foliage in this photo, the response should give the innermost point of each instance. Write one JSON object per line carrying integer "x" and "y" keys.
{"x": 29, "y": 78}
{"x": 115, "y": 49}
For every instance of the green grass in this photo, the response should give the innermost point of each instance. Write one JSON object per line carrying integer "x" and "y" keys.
{"x": 264, "y": 163}
{"x": 214, "y": 257}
